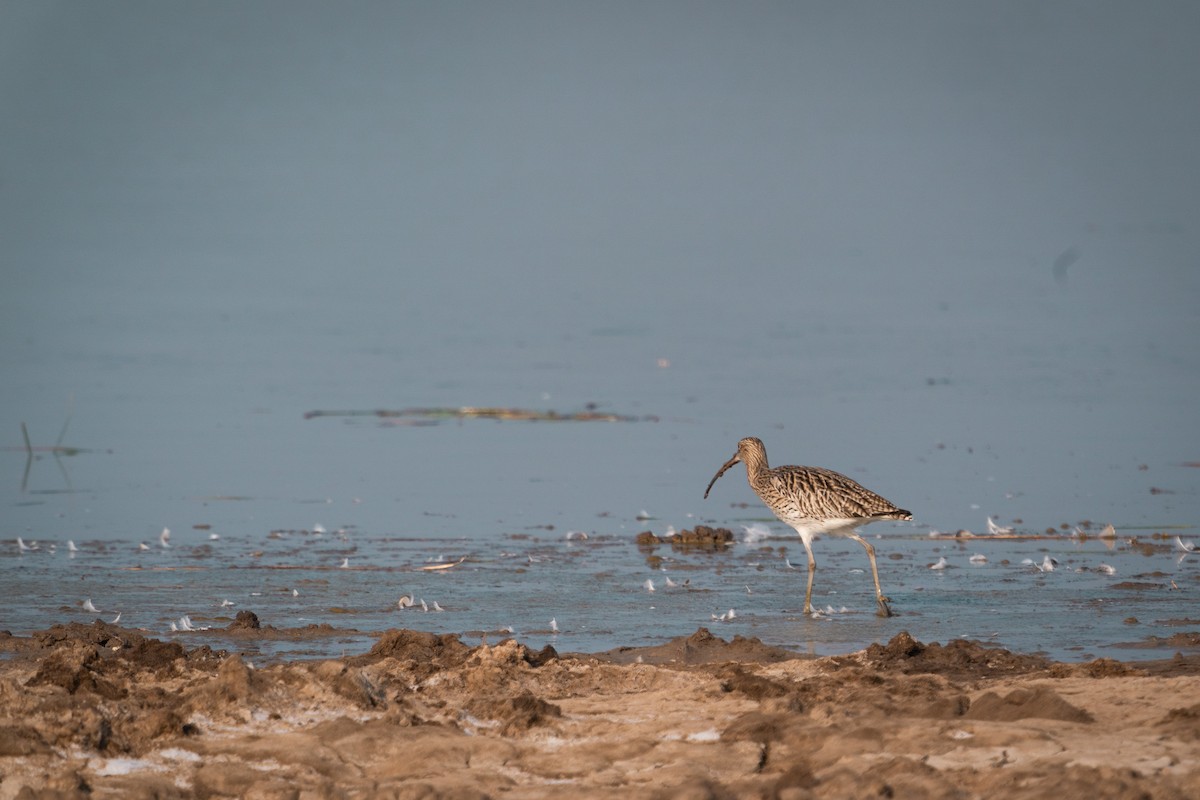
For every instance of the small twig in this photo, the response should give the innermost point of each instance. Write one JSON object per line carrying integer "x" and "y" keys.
{"x": 28, "y": 459}
{"x": 66, "y": 422}
{"x": 56, "y": 450}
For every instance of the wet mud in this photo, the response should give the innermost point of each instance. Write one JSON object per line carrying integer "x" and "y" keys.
{"x": 702, "y": 537}
{"x": 103, "y": 711}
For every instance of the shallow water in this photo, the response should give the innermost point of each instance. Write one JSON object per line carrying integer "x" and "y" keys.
{"x": 203, "y": 253}
{"x": 595, "y": 590}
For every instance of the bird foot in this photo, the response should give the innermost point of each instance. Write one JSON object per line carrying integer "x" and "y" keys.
{"x": 884, "y": 610}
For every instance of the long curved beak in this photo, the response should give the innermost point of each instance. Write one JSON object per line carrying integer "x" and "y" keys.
{"x": 720, "y": 472}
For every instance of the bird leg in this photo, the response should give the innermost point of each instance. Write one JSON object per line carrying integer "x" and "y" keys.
{"x": 883, "y": 609}
{"x": 812, "y": 568}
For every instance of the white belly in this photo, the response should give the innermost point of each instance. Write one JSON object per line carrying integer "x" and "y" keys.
{"x": 808, "y": 528}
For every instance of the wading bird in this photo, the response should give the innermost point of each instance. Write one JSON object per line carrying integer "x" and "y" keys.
{"x": 815, "y": 500}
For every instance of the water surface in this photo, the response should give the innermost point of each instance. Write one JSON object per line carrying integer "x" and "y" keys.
{"x": 947, "y": 251}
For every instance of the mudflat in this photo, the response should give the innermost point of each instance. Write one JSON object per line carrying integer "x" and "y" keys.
{"x": 103, "y": 711}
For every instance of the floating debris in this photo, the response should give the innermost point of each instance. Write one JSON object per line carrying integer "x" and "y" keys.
{"x": 995, "y": 530}
{"x": 434, "y": 567}
{"x": 1106, "y": 569}
{"x": 437, "y": 414}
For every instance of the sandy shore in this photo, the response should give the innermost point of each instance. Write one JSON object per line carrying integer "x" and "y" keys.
{"x": 101, "y": 711}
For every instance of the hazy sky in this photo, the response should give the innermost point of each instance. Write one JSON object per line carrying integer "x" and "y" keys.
{"x": 596, "y": 135}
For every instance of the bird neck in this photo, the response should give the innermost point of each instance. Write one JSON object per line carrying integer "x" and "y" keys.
{"x": 756, "y": 467}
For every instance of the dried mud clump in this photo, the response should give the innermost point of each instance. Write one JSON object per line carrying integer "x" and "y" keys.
{"x": 85, "y": 657}
{"x": 76, "y": 667}
{"x": 246, "y": 626}
{"x": 1038, "y": 702}
{"x": 1099, "y": 668}
{"x": 701, "y": 647}
{"x": 541, "y": 657}
{"x": 704, "y": 536}
{"x": 245, "y": 620}
{"x": 518, "y": 713}
{"x": 111, "y": 642}
{"x": 426, "y": 653}
{"x": 735, "y": 678}
{"x": 22, "y": 740}
{"x": 498, "y": 685}
{"x": 648, "y": 539}
{"x": 1183, "y": 722}
{"x": 701, "y": 537}
{"x": 235, "y": 681}
{"x": 97, "y": 688}
{"x": 907, "y": 655}
{"x": 352, "y": 684}
{"x": 1186, "y": 640}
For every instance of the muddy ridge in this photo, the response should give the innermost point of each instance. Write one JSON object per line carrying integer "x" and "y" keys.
{"x": 100, "y": 710}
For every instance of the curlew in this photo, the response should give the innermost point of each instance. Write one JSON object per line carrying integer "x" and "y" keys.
{"x": 814, "y": 500}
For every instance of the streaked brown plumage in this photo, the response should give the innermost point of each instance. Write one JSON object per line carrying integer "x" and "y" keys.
{"x": 814, "y": 500}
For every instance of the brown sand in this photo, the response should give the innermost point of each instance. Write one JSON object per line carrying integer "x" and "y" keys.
{"x": 101, "y": 711}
